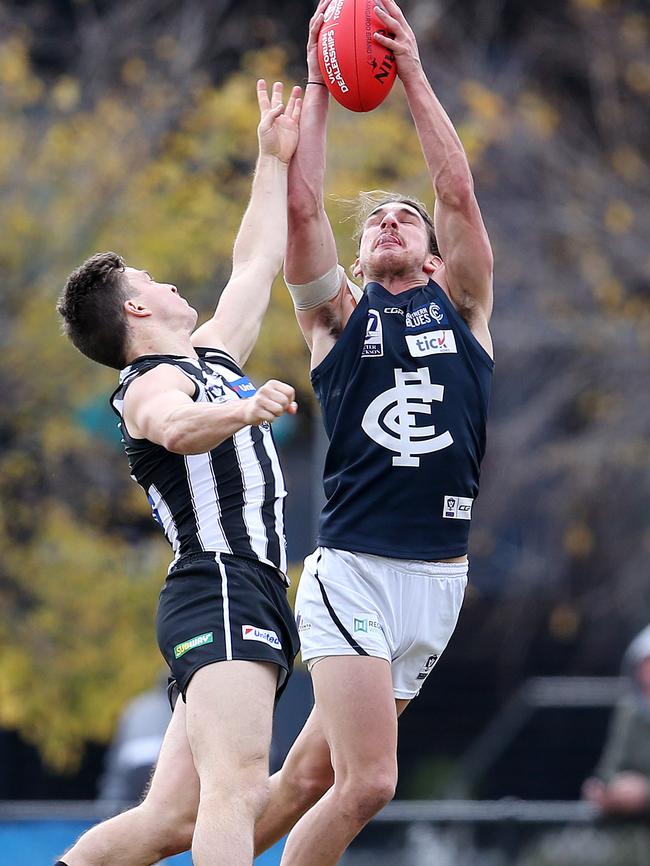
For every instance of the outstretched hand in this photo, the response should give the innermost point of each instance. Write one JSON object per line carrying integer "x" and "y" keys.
{"x": 313, "y": 67}
{"x": 279, "y": 126}
{"x": 402, "y": 41}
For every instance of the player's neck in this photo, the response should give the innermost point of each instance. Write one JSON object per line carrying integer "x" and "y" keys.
{"x": 162, "y": 342}
{"x": 395, "y": 284}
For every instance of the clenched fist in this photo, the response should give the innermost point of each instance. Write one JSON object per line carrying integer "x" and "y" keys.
{"x": 271, "y": 400}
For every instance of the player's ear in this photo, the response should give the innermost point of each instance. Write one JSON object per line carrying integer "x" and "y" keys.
{"x": 133, "y": 308}
{"x": 431, "y": 264}
{"x": 356, "y": 269}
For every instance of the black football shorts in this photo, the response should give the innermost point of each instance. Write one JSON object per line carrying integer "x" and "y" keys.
{"x": 215, "y": 607}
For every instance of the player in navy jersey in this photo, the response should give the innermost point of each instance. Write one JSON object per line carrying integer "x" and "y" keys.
{"x": 402, "y": 371}
{"x": 198, "y": 440}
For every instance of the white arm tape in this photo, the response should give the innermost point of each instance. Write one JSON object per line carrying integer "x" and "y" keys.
{"x": 320, "y": 291}
{"x": 317, "y": 292}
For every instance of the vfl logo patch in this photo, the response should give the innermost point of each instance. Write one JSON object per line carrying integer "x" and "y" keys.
{"x": 390, "y": 419}
{"x": 200, "y": 640}
{"x": 431, "y": 343}
{"x": 251, "y": 632}
{"x": 373, "y": 346}
{"x": 458, "y": 508}
{"x": 427, "y": 667}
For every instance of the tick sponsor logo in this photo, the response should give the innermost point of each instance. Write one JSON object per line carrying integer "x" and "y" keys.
{"x": 457, "y": 508}
{"x": 252, "y": 632}
{"x": 431, "y": 343}
{"x": 194, "y": 642}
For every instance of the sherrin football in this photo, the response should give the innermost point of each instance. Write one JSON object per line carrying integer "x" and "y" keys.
{"x": 358, "y": 71}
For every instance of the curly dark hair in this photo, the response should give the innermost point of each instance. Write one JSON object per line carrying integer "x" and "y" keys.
{"x": 368, "y": 201}
{"x": 92, "y": 307}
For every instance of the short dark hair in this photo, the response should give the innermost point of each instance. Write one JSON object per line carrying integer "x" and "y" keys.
{"x": 367, "y": 202}
{"x": 92, "y": 307}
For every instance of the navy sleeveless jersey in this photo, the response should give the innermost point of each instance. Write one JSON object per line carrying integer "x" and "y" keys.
{"x": 404, "y": 395}
{"x": 228, "y": 500}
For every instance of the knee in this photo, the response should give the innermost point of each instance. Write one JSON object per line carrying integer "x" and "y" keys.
{"x": 306, "y": 781}
{"x": 362, "y": 796}
{"x": 173, "y": 825}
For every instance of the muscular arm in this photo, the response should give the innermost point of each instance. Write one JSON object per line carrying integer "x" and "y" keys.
{"x": 461, "y": 234}
{"x": 158, "y": 407}
{"x": 311, "y": 249}
{"x": 261, "y": 241}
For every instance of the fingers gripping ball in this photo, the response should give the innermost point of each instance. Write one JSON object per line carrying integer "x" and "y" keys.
{"x": 358, "y": 71}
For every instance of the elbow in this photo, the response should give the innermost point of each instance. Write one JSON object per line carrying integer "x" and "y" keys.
{"x": 175, "y": 442}
{"x": 456, "y": 190}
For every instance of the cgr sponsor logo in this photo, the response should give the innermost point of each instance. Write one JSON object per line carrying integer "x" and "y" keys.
{"x": 457, "y": 508}
{"x": 397, "y": 311}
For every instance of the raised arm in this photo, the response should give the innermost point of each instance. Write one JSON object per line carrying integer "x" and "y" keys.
{"x": 159, "y": 407}
{"x": 460, "y": 231}
{"x": 311, "y": 250}
{"x": 261, "y": 241}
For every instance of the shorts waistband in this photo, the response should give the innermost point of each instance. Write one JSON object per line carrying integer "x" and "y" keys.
{"x": 424, "y": 567}
{"x": 187, "y": 558}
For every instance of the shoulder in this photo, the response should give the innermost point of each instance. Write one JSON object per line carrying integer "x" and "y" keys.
{"x": 164, "y": 376}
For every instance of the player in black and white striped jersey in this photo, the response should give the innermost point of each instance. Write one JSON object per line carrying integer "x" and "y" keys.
{"x": 228, "y": 499}
{"x": 198, "y": 439}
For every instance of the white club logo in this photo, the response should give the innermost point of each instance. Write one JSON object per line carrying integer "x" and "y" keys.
{"x": 390, "y": 418}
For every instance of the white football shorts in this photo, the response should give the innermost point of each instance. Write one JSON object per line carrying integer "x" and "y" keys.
{"x": 401, "y": 610}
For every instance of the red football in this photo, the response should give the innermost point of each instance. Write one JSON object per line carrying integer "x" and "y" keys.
{"x": 358, "y": 71}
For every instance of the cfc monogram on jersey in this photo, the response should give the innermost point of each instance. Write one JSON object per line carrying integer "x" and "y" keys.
{"x": 404, "y": 394}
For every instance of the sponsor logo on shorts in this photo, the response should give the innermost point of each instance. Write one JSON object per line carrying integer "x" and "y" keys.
{"x": 427, "y": 667}
{"x": 363, "y": 623}
{"x": 252, "y": 632}
{"x": 458, "y": 508}
{"x": 200, "y": 640}
{"x": 431, "y": 343}
{"x": 302, "y": 624}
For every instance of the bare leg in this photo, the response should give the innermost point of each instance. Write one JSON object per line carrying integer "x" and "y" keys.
{"x": 356, "y": 708}
{"x": 162, "y": 825}
{"x": 229, "y": 713}
{"x": 305, "y": 776}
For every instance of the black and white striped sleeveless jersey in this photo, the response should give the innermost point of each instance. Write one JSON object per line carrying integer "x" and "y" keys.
{"x": 228, "y": 500}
